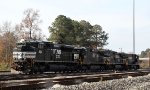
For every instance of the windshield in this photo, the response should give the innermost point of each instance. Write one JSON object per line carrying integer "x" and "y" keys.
{"x": 27, "y": 48}
{"x": 24, "y": 49}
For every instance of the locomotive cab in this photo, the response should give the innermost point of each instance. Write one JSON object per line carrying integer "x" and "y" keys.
{"x": 79, "y": 55}
{"x": 23, "y": 52}
{"x": 133, "y": 61}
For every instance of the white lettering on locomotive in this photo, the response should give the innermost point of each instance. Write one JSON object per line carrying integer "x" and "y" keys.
{"x": 40, "y": 51}
{"x": 20, "y": 55}
{"x": 56, "y": 51}
{"x": 76, "y": 56}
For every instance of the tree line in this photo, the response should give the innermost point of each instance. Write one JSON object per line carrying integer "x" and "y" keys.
{"x": 9, "y": 35}
{"x": 67, "y": 31}
{"x": 145, "y": 54}
{"x": 63, "y": 30}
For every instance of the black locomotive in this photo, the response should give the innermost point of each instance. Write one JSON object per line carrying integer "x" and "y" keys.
{"x": 41, "y": 56}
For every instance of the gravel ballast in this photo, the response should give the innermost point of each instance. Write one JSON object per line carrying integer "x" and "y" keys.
{"x": 130, "y": 83}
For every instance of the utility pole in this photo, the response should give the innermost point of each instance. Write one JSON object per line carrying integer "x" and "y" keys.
{"x": 133, "y": 26}
{"x": 120, "y": 50}
{"x": 30, "y": 34}
{"x": 96, "y": 38}
{"x": 149, "y": 57}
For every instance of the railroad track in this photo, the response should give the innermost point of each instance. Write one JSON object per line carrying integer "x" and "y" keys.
{"x": 5, "y": 72}
{"x": 20, "y": 81}
{"x": 8, "y": 76}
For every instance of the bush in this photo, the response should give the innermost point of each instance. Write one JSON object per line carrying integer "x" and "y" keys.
{"x": 144, "y": 64}
{"x": 4, "y": 67}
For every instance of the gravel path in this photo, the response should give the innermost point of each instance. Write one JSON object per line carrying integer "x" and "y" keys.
{"x": 135, "y": 83}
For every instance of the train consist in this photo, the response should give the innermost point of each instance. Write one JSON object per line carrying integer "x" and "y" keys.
{"x": 40, "y": 56}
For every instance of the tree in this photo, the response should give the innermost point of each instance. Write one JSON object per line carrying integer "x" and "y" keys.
{"x": 99, "y": 37}
{"x": 20, "y": 32}
{"x": 67, "y": 31}
{"x": 7, "y": 42}
{"x": 1, "y": 48}
{"x": 86, "y": 33}
{"x": 61, "y": 29}
{"x": 76, "y": 33}
{"x": 29, "y": 27}
{"x": 145, "y": 53}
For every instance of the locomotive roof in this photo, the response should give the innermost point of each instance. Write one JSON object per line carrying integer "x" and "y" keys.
{"x": 107, "y": 50}
{"x": 63, "y": 46}
{"x": 33, "y": 41}
{"x": 79, "y": 48}
{"x": 132, "y": 54}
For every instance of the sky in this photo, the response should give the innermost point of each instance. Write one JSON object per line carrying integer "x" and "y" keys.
{"x": 115, "y": 17}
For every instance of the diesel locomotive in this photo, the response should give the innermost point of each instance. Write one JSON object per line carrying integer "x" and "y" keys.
{"x": 42, "y": 56}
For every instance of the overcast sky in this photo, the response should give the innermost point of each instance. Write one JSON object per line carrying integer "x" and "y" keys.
{"x": 115, "y": 17}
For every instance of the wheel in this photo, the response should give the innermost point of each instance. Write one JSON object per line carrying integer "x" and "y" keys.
{"x": 27, "y": 71}
{"x": 35, "y": 70}
{"x": 41, "y": 69}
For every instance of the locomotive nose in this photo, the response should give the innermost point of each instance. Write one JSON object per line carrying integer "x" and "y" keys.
{"x": 18, "y": 55}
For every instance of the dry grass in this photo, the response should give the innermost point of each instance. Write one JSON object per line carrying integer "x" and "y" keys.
{"x": 4, "y": 67}
{"x": 144, "y": 64}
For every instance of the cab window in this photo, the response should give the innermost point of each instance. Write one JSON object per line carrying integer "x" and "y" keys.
{"x": 41, "y": 45}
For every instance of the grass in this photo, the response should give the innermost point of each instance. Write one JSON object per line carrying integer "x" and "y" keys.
{"x": 4, "y": 67}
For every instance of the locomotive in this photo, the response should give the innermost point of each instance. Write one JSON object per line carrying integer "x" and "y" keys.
{"x": 42, "y": 56}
